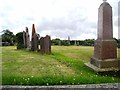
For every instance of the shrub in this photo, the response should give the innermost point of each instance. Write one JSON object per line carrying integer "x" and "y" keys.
{"x": 19, "y": 40}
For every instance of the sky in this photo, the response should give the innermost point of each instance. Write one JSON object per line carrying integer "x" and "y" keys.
{"x": 57, "y": 18}
{"x": 119, "y": 20}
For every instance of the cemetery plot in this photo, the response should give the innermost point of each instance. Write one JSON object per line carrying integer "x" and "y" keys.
{"x": 64, "y": 66}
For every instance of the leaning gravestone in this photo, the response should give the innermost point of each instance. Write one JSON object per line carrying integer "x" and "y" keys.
{"x": 45, "y": 45}
{"x": 105, "y": 49}
{"x": 34, "y": 42}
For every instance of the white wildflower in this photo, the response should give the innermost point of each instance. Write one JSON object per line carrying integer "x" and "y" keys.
{"x": 32, "y": 76}
{"x": 113, "y": 78}
{"x": 74, "y": 79}
{"x": 28, "y": 79}
{"x": 60, "y": 81}
{"x": 47, "y": 84}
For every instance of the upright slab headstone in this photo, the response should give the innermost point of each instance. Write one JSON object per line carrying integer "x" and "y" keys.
{"x": 24, "y": 39}
{"x": 27, "y": 39}
{"x": 105, "y": 49}
{"x": 42, "y": 45}
{"x": 34, "y": 42}
{"x": 45, "y": 45}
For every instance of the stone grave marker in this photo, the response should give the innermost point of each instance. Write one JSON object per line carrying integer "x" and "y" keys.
{"x": 105, "y": 49}
{"x": 24, "y": 39}
{"x": 42, "y": 45}
{"x": 34, "y": 42}
{"x": 27, "y": 39}
{"x": 45, "y": 45}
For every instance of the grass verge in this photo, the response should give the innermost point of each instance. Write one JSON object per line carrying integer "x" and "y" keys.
{"x": 65, "y": 66}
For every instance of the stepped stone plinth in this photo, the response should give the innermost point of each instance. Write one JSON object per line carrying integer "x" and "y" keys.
{"x": 105, "y": 48}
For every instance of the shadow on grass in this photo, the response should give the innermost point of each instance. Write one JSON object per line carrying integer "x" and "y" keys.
{"x": 106, "y": 73}
{"x": 111, "y": 73}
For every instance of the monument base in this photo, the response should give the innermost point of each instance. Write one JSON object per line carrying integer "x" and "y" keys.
{"x": 28, "y": 48}
{"x": 96, "y": 69}
{"x": 104, "y": 65}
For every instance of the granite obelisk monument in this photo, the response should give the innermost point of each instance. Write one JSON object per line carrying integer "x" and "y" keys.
{"x": 105, "y": 48}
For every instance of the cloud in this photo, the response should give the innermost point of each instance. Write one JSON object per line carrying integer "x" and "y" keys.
{"x": 119, "y": 20}
{"x": 73, "y": 24}
{"x": 58, "y": 18}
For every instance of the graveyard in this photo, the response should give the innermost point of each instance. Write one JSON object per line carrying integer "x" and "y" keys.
{"x": 65, "y": 66}
{"x": 37, "y": 61}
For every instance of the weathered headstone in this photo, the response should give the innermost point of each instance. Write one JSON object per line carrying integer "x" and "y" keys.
{"x": 27, "y": 39}
{"x": 34, "y": 42}
{"x": 45, "y": 45}
{"x": 42, "y": 45}
{"x": 105, "y": 49}
{"x": 24, "y": 39}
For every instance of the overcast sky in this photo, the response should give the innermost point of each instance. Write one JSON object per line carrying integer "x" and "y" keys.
{"x": 57, "y": 18}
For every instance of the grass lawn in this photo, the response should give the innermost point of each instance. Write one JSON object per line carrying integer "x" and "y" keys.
{"x": 64, "y": 66}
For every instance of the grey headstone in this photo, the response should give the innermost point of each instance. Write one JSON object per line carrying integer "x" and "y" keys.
{"x": 42, "y": 45}
{"x": 45, "y": 45}
{"x": 27, "y": 39}
{"x": 24, "y": 39}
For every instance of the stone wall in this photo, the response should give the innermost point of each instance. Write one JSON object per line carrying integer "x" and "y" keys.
{"x": 114, "y": 86}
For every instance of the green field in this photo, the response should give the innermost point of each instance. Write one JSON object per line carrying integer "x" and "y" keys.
{"x": 65, "y": 66}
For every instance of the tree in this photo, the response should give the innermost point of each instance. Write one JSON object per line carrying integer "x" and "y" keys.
{"x": 8, "y": 37}
{"x": 65, "y": 43}
{"x": 118, "y": 43}
{"x": 19, "y": 40}
{"x": 56, "y": 41}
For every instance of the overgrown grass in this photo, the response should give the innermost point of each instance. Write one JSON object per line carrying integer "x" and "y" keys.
{"x": 64, "y": 66}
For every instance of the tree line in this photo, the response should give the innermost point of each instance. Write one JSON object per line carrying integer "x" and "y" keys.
{"x": 87, "y": 42}
{"x": 9, "y": 39}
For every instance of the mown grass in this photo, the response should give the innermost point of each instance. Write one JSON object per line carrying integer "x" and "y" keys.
{"x": 65, "y": 66}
